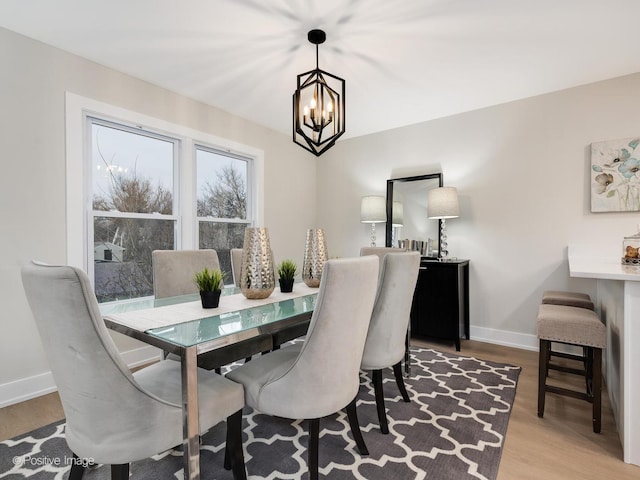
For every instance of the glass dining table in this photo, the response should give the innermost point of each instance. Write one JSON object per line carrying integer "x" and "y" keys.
{"x": 235, "y": 330}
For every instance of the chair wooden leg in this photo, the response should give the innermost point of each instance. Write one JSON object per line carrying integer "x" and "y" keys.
{"x": 120, "y": 472}
{"x": 379, "y": 394}
{"x": 233, "y": 453}
{"x": 312, "y": 449}
{"x": 543, "y": 362}
{"x": 397, "y": 372}
{"x": 352, "y": 415}
{"x": 597, "y": 389}
{"x": 77, "y": 468}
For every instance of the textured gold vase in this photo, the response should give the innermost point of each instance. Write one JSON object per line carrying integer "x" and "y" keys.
{"x": 257, "y": 278}
{"x": 315, "y": 254}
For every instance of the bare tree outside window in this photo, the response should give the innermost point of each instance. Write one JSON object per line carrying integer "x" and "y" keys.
{"x": 222, "y": 195}
{"x": 123, "y": 243}
{"x": 224, "y": 198}
{"x": 134, "y": 205}
{"x": 127, "y": 272}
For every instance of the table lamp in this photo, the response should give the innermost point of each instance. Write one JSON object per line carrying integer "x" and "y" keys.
{"x": 373, "y": 209}
{"x": 443, "y": 204}
{"x": 397, "y": 221}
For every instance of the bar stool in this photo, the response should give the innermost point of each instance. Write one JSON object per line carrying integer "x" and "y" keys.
{"x": 571, "y": 299}
{"x": 572, "y": 326}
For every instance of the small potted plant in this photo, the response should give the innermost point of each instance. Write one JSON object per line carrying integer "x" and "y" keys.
{"x": 209, "y": 283}
{"x": 286, "y": 271}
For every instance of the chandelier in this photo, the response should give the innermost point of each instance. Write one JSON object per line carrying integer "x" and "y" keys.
{"x": 318, "y": 106}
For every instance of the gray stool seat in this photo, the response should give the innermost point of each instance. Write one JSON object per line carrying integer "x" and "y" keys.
{"x": 573, "y": 326}
{"x": 571, "y": 299}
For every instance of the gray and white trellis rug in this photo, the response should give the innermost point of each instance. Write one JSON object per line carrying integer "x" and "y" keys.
{"x": 453, "y": 429}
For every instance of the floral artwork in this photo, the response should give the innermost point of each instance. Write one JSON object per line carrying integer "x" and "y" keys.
{"x": 615, "y": 176}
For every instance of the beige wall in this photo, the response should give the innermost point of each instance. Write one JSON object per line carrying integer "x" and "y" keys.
{"x": 522, "y": 173}
{"x": 33, "y": 81}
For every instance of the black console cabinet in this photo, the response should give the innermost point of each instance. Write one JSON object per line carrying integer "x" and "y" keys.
{"x": 441, "y": 301}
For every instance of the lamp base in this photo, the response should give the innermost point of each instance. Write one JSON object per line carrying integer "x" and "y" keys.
{"x": 444, "y": 249}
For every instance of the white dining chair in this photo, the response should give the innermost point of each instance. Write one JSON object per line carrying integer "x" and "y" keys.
{"x": 386, "y": 339}
{"x": 113, "y": 416}
{"x": 321, "y": 376}
{"x": 173, "y": 270}
{"x": 236, "y": 264}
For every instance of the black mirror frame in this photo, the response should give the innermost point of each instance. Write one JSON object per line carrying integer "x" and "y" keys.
{"x": 390, "y": 182}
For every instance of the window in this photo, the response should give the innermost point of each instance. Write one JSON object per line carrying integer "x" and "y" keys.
{"x": 132, "y": 207}
{"x": 222, "y": 203}
{"x": 136, "y": 184}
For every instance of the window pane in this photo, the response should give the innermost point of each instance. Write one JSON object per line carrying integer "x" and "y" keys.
{"x": 222, "y": 185}
{"x": 222, "y": 237}
{"x": 122, "y": 255}
{"x": 131, "y": 172}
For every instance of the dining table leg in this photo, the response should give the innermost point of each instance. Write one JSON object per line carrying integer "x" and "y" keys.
{"x": 191, "y": 427}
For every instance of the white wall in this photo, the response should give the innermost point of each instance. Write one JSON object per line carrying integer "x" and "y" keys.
{"x": 522, "y": 173}
{"x": 33, "y": 81}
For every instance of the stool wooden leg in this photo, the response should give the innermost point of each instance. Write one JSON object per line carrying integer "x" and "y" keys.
{"x": 597, "y": 389}
{"x": 588, "y": 368}
{"x": 543, "y": 362}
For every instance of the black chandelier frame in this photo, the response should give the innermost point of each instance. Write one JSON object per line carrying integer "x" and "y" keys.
{"x": 316, "y": 128}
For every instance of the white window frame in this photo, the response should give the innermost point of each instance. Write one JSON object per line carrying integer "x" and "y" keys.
{"x": 78, "y": 189}
{"x": 91, "y": 214}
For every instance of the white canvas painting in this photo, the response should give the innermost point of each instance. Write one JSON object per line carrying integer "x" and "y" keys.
{"x": 615, "y": 175}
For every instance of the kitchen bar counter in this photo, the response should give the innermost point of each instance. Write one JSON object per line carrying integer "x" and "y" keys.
{"x": 618, "y": 304}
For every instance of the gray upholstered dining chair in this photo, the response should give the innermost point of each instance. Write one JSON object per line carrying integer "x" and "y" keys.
{"x": 321, "y": 376}
{"x": 112, "y": 416}
{"x": 236, "y": 264}
{"x": 386, "y": 340}
{"x": 379, "y": 251}
{"x": 173, "y": 270}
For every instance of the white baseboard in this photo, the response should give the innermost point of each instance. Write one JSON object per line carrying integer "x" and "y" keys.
{"x": 518, "y": 340}
{"x": 508, "y": 339}
{"x": 43, "y": 383}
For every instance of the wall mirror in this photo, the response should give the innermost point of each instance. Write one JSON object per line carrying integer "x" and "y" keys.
{"x": 407, "y": 212}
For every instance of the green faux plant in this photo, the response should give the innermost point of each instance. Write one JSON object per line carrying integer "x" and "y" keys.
{"x": 208, "y": 280}
{"x": 287, "y": 269}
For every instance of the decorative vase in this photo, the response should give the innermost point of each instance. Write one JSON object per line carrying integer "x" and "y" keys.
{"x": 210, "y": 299}
{"x": 257, "y": 278}
{"x": 315, "y": 254}
{"x": 286, "y": 285}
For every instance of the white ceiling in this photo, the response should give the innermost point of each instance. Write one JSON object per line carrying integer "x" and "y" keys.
{"x": 404, "y": 61}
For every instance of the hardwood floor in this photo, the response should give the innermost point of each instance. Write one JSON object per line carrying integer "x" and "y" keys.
{"x": 26, "y": 416}
{"x": 560, "y": 446}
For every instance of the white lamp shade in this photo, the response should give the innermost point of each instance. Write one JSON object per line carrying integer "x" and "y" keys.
{"x": 443, "y": 203}
{"x": 397, "y": 218}
{"x": 373, "y": 209}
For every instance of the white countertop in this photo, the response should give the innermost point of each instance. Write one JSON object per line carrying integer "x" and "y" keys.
{"x": 584, "y": 265}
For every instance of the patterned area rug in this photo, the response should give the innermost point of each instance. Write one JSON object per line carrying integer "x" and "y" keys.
{"x": 454, "y": 428}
